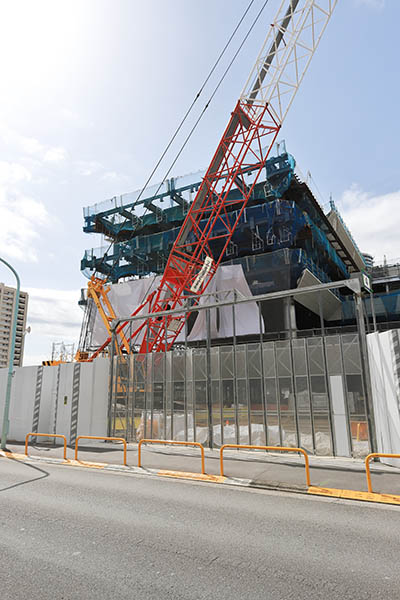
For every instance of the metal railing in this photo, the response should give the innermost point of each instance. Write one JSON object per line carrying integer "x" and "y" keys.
{"x": 367, "y": 461}
{"x": 274, "y": 448}
{"x": 99, "y": 437}
{"x": 173, "y": 442}
{"x": 52, "y": 435}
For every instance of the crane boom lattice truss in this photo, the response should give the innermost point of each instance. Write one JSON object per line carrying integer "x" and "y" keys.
{"x": 259, "y": 113}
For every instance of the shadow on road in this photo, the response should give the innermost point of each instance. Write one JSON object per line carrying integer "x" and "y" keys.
{"x": 14, "y": 485}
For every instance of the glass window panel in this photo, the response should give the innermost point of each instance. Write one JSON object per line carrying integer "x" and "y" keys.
{"x": 139, "y": 397}
{"x": 305, "y": 432}
{"x": 302, "y": 394}
{"x": 257, "y": 429}
{"x": 178, "y": 395}
{"x": 241, "y": 361}
{"x": 319, "y": 395}
{"x": 158, "y": 366}
{"x": 179, "y": 425}
{"x": 285, "y": 393}
{"x": 189, "y": 364}
{"x": 189, "y": 396}
{"x": 351, "y": 354}
{"x": 199, "y": 363}
{"x": 254, "y": 360}
{"x": 242, "y": 392}
{"x": 355, "y": 395}
{"x": 158, "y": 396}
{"x": 178, "y": 366}
{"x": 216, "y": 407}
{"x": 299, "y": 357}
{"x": 323, "y": 442}
{"x": 201, "y": 426}
{"x": 214, "y": 367}
{"x": 140, "y": 367}
{"x": 283, "y": 358}
{"x": 360, "y": 436}
{"x": 215, "y": 389}
{"x": 227, "y": 393}
{"x": 271, "y": 394}
{"x": 269, "y": 359}
{"x": 273, "y": 430}
{"x": 333, "y": 357}
{"x": 288, "y": 424}
{"x": 256, "y": 400}
{"x": 226, "y": 357}
{"x": 200, "y": 395}
{"x": 315, "y": 356}
{"x": 243, "y": 427}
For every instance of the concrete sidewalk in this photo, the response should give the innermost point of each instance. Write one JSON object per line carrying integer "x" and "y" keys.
{"x": 262, "y": 468}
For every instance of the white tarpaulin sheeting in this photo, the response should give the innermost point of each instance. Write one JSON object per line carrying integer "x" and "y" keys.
{"x": 384, "y": 364}
{"x": 127, "y": 296}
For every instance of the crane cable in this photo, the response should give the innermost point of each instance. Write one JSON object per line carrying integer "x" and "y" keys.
{"x": 199, "y": 117}
{"x": 212, "y": 96}
{"x": 195, "y": 100}
{"x": 191, "y": 108}
{"x": 205, "y": 108}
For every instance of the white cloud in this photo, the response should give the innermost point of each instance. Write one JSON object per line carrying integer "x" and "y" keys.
{"x": 110, "y": 175}
{"x": 12, "y": 173}
{"x": 374, "y": 221}
{"x": 74, "y": 119}
{"x": 54, "y": 316}
{"x": 31, "y": 147}
{"x": 115, "y": 178}
{"x": 21, "y": 217}
{"x": 89, "y": 167}
{"x": 55, "y": 155}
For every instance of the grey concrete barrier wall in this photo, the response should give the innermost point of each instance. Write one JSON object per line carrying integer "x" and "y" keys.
{"x": 70, "y": 399}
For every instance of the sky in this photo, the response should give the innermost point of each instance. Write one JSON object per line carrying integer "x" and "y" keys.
{"x": 92, "y": 90}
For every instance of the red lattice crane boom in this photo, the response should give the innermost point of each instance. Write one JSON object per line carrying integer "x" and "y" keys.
{"x": 247, "y": 140}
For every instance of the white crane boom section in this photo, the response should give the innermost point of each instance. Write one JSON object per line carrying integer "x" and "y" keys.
{"x": 286, "y": 53}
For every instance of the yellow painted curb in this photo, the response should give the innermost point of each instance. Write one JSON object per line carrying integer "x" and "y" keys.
{"x": 68, "y": 462}
{"x": 196, "y": 476}
{"x": 8, "y": 454}
{"x": 82, "y": 463}
{"x": 354, "y": 495}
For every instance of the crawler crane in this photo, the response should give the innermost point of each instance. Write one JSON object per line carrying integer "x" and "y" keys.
{"x": 252, "y": 129}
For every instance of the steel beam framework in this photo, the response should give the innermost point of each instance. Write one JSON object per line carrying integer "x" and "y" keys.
{"x": 267, "y": 96}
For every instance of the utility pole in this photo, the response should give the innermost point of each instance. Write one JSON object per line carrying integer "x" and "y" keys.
{"x": 6, "y": 421}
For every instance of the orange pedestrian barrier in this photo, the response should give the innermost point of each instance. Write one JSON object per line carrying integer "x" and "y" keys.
{"x": 370, "y": 457}
{"x": 167, "y": 442}
{"x": 99, "y": 437}
{"x": 52, "y": 435}
{"x": 276, "y": 448}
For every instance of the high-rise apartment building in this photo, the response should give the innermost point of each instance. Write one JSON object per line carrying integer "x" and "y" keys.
{"x": 7, "y": 307}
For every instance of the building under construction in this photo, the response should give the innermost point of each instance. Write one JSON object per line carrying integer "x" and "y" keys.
{"x": 247, "y": 312}
{"x": 284, "y": 239}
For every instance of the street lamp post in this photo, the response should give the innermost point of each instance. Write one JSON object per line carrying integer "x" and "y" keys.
{"x": 6, "y": 421}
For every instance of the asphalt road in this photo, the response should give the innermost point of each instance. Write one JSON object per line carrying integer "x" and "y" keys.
{"x": 69, "y": 533}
